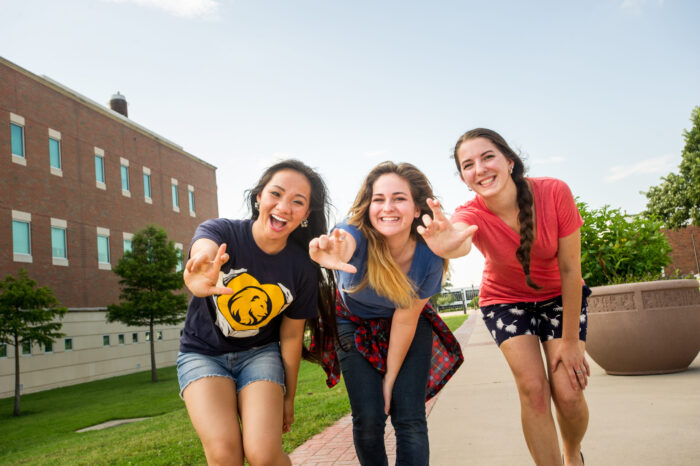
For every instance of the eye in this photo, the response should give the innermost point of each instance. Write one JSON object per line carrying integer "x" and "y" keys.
{"x": 275, "y": 193}
{"x": 299, "y": 203}
{"x": 467, "y": 166}
{"x": 489, "y": 156}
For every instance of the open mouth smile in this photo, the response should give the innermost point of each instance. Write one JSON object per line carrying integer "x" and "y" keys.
{"x": 277, "y": 223}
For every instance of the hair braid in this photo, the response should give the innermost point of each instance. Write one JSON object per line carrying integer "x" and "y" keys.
{"x": 527, "y": 228}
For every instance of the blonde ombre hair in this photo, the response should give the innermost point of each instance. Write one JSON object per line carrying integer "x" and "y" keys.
{"x": 383, "y": 273}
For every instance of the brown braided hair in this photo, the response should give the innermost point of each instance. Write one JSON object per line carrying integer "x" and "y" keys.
{"x": 524, "y": 195}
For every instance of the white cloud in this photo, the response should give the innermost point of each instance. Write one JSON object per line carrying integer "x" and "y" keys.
{"x": 659, "y": 165}
{"x": 376, "y": 154}
{"x": 548, "y": 161}
{"x": 208, "y": 9}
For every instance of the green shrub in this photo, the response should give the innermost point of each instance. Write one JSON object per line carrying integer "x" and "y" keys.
{"x": 618, "y": 248}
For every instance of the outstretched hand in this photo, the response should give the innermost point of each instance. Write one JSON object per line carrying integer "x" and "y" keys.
{"x": 202, "y": 273}
{"x": 445, "y": 239}
{"x": 333, "y": 251}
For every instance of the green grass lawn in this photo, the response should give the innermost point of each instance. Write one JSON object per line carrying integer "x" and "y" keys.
{"x": 45, "y": 432}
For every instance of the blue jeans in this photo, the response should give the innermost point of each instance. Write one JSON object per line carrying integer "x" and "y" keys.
{"x": 364, "y": 385}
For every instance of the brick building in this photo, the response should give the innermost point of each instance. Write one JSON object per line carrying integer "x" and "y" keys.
{"x": 685, "y": 254}
{"x": 78, "y": 180}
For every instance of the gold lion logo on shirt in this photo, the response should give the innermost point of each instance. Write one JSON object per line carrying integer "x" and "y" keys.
{"x": 252, "y": 305}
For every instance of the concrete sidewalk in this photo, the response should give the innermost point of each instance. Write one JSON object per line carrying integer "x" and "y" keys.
{"x": 475, "y": 420}
{"x": 634, "y": 420}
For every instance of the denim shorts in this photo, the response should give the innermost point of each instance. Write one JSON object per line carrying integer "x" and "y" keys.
{"x": 243, "y": 367}
{"x": 542, "y": 318}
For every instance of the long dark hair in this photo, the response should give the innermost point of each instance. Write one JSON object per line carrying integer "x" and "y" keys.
{"x": 323, "y": 326}
{"x": 383, "y": 274}
{"x": 524, "y": 194}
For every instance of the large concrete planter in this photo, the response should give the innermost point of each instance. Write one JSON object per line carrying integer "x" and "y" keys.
{"x": 644, "y": 328}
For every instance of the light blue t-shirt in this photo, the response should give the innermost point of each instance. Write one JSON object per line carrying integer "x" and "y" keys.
{"x": 425, "y": 272}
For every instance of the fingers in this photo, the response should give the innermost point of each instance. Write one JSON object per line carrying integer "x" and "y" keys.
{"x": 434, "y": 205}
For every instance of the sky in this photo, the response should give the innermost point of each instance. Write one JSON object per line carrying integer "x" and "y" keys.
{"x": 596, "y": 93}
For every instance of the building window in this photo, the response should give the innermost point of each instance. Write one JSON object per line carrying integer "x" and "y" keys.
{"x": 190, "y": 197}
{"x": 176, "y": 200}
{"x": 21, "y": 236}
{"x": 26, "y": 347}
{"x": 68, "y": 344}
{"x": 3, "y": 350}
{"x": 100, "y": 168}
{"x": 127, "y": 237}
{"x": 105, "y": 340}
{"x": 59, "y": 250}
{"x": 17, "y": 139}
{"x": 148, "y": 336}
{"x": 134, "y": 337}
{"x": 120, "y": 338}
{"x": 55, "y": 152}
{"x": 103, "y": 261}
{"x": 48, "y": 347}
{"x": 178, "y": 265}
{"x": 124, "y": 169}
{"x": 147, "y": 185}
{"x": 159, "y": 334}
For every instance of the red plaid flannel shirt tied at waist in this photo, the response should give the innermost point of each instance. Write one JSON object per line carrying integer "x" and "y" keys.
{"x": 372, "y": 341}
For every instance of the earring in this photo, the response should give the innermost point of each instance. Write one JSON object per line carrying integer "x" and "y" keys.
{"x": 469, "y": 188}
{"x": 511, "y": 169}
{"x": 256, "y": 205}
{"x": 304, "y": 223}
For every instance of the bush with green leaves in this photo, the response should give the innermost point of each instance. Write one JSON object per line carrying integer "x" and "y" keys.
{"x": 619, "y": 248}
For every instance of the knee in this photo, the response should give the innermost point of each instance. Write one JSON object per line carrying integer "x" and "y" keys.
{"x": 261, "y": 456}
{"x": 222, "y": 452}
{"x": 570, "y": 403}
{"x": 535, "y": 394}
{"x": 369, "y": 421}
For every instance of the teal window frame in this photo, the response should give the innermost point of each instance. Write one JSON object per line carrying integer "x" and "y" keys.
{"x": 26, "y": 348}
{"x": 55, "y": 153}
{"x": 103, "y": 242}
{"x": 190, "y": 196}
{"x": 59, "y": 235}
{"x": 48, "y": 347}
{"x": 125, "y": 177}
{"x": 21, "y": 237}
{"x": 68, "y": 344}
{"x": 105, "y": 340}
{"x": 147, "y": 186}
{"x": 99, "y": 169}
{"x": 17, "y": 136}
{"x": 3, "y": 350}
{"x": 176, "y": 200}
{"x": 127, "y": 245}
{"x": 135, "y": 337}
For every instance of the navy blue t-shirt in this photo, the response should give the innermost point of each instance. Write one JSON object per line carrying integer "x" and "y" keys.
{"x": 425, "y": 273}
{"x": 265, "y": 288}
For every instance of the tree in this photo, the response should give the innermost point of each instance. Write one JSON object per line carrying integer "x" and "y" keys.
{"x": 27, "y": 316}
{"x": 616, "y": 248}
{"x": 676, "y": 201}
{"x": 148, "y": 279}
{"x": 439, "y": 300}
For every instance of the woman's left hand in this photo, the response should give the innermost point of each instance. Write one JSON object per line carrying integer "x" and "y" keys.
{"x": 287, "y": 415}
{"x": 571, "y": 356}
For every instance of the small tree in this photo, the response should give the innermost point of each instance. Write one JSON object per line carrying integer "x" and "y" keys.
{"x": 148, "y": 279}
{"x": 438, "y": 299}
{"x": 27, "y": 315}
{"x": 676, "y": 201}
{"x": 616, "y": 248}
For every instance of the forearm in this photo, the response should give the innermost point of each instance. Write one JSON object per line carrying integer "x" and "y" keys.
{"x": 291, "y": 339}
{"x": 403, "y": 329}
{"x": 571, "y": 301}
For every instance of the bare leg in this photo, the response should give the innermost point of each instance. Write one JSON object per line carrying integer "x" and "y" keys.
{"x": 525, "y": 361}
{"x": 571, "y": 407}
{"x": 211, "y": 404}
{"x": 260, "y": 404}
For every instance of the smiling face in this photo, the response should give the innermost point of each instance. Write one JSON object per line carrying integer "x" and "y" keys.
{"x": 392, "y": 209}
{"x": 284, "y": 203}
{"x": 483, "y": 167}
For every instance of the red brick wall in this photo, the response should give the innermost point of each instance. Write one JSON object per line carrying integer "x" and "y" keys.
{"x": 75, "y": 198}
{"x": 683, "y": 256}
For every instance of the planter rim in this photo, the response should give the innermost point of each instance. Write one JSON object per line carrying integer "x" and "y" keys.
{"x": 651, "y": 285}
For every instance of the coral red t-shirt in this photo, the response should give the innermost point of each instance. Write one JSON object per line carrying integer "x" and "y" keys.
{"x": 503, "y": 280}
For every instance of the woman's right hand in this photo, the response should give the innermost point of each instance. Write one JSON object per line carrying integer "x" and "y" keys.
{"x": 333, "y": 251}
{"x": 444, "y": 238}
{"x": 202, "y": 273}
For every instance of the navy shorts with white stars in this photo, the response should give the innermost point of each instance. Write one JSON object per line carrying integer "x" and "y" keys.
{"x": 541, "y": 318}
